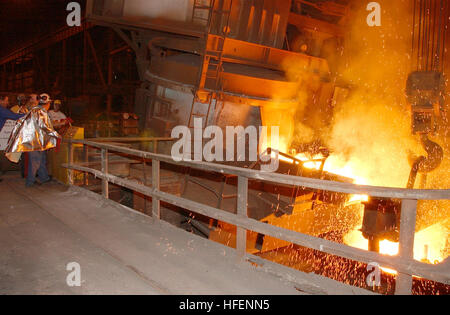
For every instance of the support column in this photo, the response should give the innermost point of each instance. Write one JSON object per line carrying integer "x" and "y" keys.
{"x": 64, "y": 67}
{"x": 105, "y": 184}
{"x": 70, "y": 161}
{"x": 85, "y": 60}
{"x": 109, "y": 97}
{"x": 403, "y": 285}
{"x": 241, "y": 234}
{"x": 156, "y": 204}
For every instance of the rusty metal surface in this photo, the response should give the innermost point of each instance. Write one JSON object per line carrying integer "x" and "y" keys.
{"x": 144, "y": 14}
{"x": 238, "y": 79}
{"x": 305, "y": 22}
{"x": 256, "y": 21}
{"x": 261, "y": 22}
{"x": 241, "y": 52}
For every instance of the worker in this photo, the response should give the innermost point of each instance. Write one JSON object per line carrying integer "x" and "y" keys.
{"x": 37, "y": 160}
{"x": 56, "y": 116}
{"x": 6, "y": 114}
{"x": 20, "y": 106}
{"x": 32, "y": 102}
{"x": 4, "y": 101}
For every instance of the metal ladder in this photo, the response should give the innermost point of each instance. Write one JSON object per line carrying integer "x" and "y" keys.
{"x": 212, "y": 63}
{"x": 200, "y": 6}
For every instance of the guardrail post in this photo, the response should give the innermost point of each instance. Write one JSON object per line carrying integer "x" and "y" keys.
{"x": 156, "y": 204}
{"x": 70, "y": 161}
{"x": 403, "y": 284}
{"x": 241, "y": 233}
{"x": 86, "y": 160}
{"x": 105, "y": 183}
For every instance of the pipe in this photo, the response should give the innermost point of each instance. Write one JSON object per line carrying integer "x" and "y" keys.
{"x": 413, "y": 173}
{"x": 426, "y": 164}
{"x": 198, "y": 226}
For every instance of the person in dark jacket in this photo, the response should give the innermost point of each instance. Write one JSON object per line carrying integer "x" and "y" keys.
{"x": 6, "y": 114}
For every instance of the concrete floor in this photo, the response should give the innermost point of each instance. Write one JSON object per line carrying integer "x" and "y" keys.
{"x": 120, "y": 251}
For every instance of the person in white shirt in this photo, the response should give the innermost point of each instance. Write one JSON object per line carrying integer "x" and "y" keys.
{"x": 56, "y": 116}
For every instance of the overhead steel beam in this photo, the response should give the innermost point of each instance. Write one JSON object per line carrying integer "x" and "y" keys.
{"x": 96, "y": 61}
{"x": 46, "y": 41}
{"x": 125, "y": 38}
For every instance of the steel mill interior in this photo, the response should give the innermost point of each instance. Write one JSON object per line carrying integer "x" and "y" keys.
{"x": 198, "y": 147}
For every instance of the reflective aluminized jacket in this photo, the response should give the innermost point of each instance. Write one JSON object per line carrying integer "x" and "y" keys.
{"x": 33, "y": 132}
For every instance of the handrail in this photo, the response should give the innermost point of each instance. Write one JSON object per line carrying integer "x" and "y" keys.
{"x": 131, "y": 139}
{"x": 404, "y": 262}
{"x": 375, "y": 191}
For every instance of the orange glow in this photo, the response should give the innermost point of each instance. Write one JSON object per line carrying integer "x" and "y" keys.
{"x": 429, "y": 244}
{"x": 369, "y": 136}
{"x": 332, "y": 165}
{"x": 358, "y": 198}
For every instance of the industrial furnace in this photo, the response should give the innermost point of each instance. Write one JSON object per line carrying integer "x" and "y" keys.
{"x": 354, "y": 101}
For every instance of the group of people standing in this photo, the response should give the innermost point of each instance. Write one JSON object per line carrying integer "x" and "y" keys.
{"x": 34, "y": 133}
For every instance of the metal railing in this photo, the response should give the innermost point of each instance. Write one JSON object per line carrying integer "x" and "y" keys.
{"x": 404, "y": 263}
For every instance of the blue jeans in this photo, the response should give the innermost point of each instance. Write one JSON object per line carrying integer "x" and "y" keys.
{"x": 37, "y": 165}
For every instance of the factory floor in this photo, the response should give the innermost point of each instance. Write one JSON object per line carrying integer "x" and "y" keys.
{"x": 120, "y": 251}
